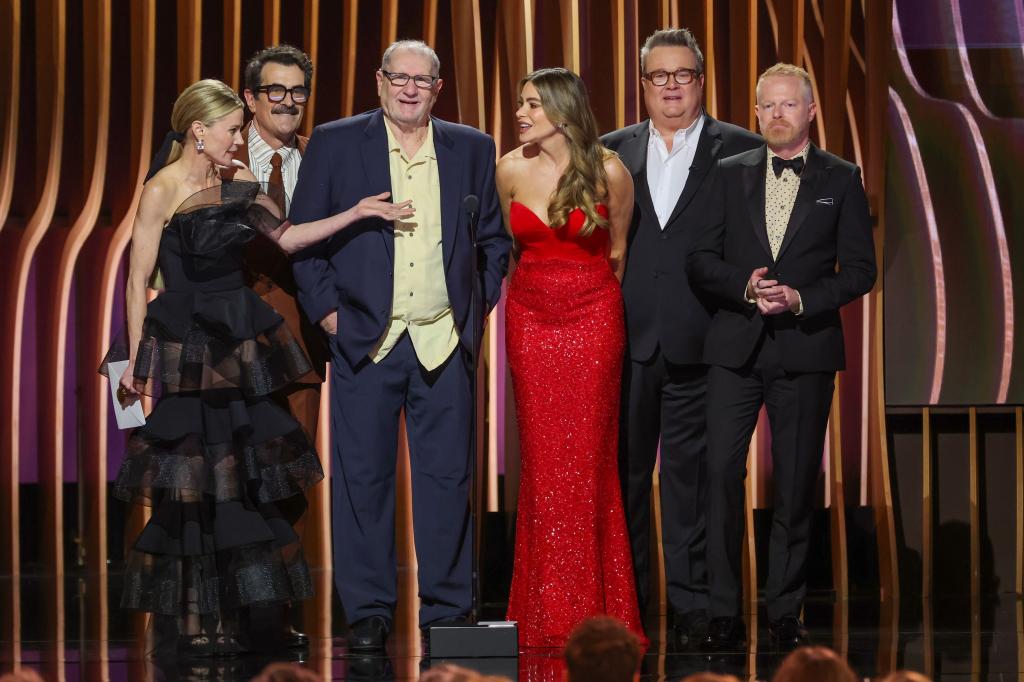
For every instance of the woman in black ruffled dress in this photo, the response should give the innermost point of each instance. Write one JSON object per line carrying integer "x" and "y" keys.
{"x": 217, "y": 455}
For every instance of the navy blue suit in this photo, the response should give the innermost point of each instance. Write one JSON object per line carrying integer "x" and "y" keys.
{"x": 352, "y": 273}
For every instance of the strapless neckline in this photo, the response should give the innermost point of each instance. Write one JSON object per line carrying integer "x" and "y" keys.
{"x": 536, "y": 217}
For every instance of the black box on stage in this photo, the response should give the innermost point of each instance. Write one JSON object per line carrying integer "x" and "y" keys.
{"x": 501, "y": 667}
{"x": 494, "y": 639}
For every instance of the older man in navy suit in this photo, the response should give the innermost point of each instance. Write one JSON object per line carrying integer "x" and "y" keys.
{"x": 404, "y": 306}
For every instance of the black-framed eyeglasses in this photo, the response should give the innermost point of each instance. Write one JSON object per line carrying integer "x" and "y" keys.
{"x": 681, "y": 76}
{"x": 400, "y": 80}
{"x": 277, "y": 92}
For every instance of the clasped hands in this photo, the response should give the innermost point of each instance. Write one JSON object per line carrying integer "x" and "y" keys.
{"x": 771, "y": 297}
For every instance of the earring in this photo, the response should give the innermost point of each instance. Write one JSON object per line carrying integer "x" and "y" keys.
{"x": 199, "y": 145}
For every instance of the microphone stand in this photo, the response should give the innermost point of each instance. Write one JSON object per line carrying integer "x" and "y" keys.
{"x": 496, "y": 641}
{"x": 471, "y": 204}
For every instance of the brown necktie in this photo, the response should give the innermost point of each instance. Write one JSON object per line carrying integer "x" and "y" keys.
{"x": 276, "y": 182}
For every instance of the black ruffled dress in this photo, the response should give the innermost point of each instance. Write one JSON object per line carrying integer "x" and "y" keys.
{"x": 217, "y": 457}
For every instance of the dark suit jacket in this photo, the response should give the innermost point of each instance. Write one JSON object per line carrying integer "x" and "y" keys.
{"x": 828, "y": 255}
{"x": 268, "y": 271}
{"x": 352, "y": 272}
{"x": 661, "y": 308}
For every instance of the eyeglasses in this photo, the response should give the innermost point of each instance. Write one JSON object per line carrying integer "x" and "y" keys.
{"x": 681, "y": 76}
{"x": 277, "y": 92}
{"x": 400, "y": 80}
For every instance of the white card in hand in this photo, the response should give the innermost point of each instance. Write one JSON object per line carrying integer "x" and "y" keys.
{"x": 127, "y": 417}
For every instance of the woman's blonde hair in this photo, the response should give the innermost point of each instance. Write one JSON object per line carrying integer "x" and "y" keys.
{"x": 584, "y": 183}
{"x": 207, "y": 100}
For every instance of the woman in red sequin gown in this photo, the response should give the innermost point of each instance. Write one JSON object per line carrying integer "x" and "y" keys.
{"x": 568, "y": 202}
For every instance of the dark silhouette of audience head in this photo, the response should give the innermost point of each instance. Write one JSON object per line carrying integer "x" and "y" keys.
{"x": 448, "y": 672}
{"x": 710, "y": 677}
{"x": 905, "y": 676}
{"x": 602, "y": 649}
{"x": 814, "y": 664}
{"x": 23, "y": 675}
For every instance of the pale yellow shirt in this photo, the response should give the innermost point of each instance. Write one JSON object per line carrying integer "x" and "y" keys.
{"x": 420, "y": 300}
{"x": 779, "y": 198}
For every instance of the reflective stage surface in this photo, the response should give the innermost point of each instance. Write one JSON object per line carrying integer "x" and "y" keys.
{"x": 949, "y": 639}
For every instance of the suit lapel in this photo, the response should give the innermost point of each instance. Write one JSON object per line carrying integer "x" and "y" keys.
{"x": 753, "y": 190}
{"x": 451, "y": 187}
{"x": 375, "y": 155}
{"x": 242, "y": 153}
{"x": 633, "y": 153}
{"x": 815, "y": 173}
{"x": 708, "y": 144}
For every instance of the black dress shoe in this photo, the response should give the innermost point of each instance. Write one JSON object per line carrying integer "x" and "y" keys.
{"x": 293, "y": 639}
{"x": 369, "y": 634}
{"x": 725, "y": 634}
{"x": 788, "y": 633}
{"x": 691, "y": 627}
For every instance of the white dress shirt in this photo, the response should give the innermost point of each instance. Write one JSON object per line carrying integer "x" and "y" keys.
{"x": 260, "y": 154}
{"x": 667, "y": 171}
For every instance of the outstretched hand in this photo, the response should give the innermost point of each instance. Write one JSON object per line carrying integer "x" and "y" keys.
{"x": 379, "y": 207}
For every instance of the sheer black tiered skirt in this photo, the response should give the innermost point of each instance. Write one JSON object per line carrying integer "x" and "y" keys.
{"x": 219, "y": 462}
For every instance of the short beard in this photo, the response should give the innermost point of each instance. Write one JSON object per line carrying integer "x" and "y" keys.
{"x": 780, "y": 136}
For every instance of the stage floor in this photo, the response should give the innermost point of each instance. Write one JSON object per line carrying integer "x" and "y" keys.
{"x": 948, "y": 638}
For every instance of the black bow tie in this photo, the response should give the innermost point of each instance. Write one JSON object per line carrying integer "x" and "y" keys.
{"x": 779, "y": 164}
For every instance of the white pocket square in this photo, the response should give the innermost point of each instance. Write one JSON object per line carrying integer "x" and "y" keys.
{"x": 827, "y": 201}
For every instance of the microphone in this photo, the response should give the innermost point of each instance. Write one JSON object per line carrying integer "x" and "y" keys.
{"x": 471, "y": 205}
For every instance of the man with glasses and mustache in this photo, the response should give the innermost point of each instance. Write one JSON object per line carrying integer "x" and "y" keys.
{"x": 407, "y": 307}
{"x": 664, "y": 382}
{"x": 277, "y": 88}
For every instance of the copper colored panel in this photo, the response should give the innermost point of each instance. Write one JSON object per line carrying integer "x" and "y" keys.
{"x": 388, "y": 22}
{"x": 271, "y": 22}
{"x": 430, "y": 22}
{"x": 10, "y": 82}
{"x": 837, "y": 509}
{"x": 60, "y": 264}
{"x": 48, "y": 141}
{"x": 469, "y": 66}
{"x": 742, "y": 62}
{"x": 10, "y": 595}
{"x": 789, "y": 19}
{"x": 833, "y": 82}
{"x": 348, "y": 80}
{"x": 190, "y": 31}
{"x": 311, "y": 38}
{"x": 232, "y": 44}
{"x": 570, "y": 14}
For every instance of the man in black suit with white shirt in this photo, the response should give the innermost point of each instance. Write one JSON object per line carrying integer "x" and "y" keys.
{"x": 669, "y": 156}
{"x": 789, "y": 245}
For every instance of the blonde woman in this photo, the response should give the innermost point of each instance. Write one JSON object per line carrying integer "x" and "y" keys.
{"x": 567, "y": 201}
{"x": 217, "y": 455}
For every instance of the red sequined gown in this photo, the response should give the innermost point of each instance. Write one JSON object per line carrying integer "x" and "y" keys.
{"x": 565, "y": 337}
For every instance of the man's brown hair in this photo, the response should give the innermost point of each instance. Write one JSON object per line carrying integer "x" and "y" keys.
{"x": 602, "y": 649}
{"x": 814, "y": 664}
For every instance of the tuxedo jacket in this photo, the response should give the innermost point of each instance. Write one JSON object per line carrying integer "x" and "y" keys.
{"x": 269, "y": 272}
{"x": 352, "y": 272}
{"x": 827, "y": 254}
{"x": 661, "y": 308}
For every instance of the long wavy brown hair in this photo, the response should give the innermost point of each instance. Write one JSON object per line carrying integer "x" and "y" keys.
{"x": 584, "y": 183}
